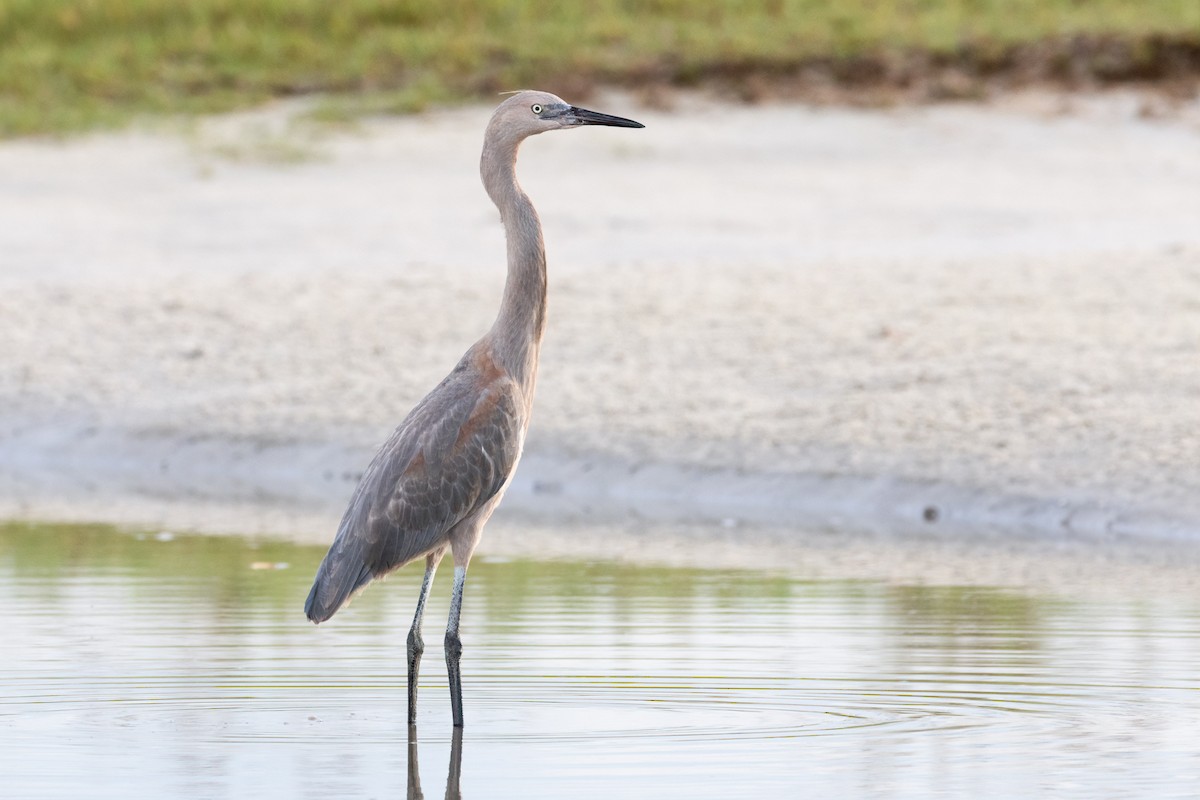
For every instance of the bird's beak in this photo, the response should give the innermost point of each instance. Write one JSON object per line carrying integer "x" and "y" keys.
{"x": 581, "y": 116}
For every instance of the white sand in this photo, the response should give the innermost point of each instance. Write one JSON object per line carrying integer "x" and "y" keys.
{"x": 839, "y": 317}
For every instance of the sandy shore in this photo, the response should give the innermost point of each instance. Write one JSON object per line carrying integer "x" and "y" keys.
{"x": 833, "y": 319}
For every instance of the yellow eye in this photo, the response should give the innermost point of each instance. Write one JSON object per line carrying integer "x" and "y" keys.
{"x": 536, "y": 108}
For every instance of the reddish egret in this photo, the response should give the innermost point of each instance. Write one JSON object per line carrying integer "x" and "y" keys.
{"x": 436, "y": 481}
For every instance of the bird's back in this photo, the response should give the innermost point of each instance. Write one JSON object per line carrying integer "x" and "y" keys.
{"x": 449, "y": 458}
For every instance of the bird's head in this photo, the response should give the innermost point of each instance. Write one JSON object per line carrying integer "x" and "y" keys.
{"x": 528, "y": 112}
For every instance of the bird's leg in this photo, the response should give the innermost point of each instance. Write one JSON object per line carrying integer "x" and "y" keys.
{"x": 416, "y": 645}
{"x": 454, "y": 646}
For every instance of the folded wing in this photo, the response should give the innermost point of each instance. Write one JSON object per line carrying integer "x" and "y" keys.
{"x": 449, "y": 457}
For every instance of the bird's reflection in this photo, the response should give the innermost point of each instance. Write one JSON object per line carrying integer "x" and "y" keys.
{"x": 414, "y": 768}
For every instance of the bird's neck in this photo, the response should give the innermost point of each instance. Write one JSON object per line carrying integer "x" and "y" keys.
{"x": 517, "y": 333}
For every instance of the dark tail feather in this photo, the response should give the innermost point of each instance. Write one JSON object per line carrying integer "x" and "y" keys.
{"x": 340, "y": 575}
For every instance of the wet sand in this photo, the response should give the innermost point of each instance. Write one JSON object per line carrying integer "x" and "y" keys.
{"x": 944, "y": 323}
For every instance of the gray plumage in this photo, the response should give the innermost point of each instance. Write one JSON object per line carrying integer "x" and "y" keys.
{"x": 440, "y": 468}
{"x": 436, "y": 481}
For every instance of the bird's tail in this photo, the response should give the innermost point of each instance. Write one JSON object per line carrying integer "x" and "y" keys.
{"x": 340, "y": 576}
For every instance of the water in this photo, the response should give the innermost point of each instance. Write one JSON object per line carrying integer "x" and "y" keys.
{"x": 183, "y": 667}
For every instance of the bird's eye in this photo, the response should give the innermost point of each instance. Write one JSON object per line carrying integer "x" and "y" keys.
{"x": 536, "y": 108}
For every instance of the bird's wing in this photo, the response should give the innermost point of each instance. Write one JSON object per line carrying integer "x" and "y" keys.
{"x": 463, "y": 461}
{"x": 451, "y": 455}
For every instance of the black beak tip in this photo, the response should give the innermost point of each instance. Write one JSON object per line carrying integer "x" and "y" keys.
{"x": 586, "y": 117}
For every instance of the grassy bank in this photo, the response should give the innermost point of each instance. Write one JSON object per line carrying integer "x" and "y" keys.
{"x": 73, "y": 64}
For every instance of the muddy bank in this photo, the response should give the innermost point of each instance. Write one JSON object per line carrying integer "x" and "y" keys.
{"x": 159, "y": 478}
{"x": 973, "y": 70}
{"x": 809, "y": 527}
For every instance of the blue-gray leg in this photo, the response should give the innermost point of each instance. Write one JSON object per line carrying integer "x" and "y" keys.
{"x": 454, "y": 646}
{"x": 416, "y": 645}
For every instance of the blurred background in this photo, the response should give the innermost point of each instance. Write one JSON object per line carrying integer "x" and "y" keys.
{"x": 69, "y": 65}
{"x": 869, "y": 263}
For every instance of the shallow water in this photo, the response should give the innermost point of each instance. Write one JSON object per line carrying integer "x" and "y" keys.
{"x": 176, "y": 666}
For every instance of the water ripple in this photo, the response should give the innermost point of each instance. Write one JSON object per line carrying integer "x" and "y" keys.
{"x": 191, "y": 686}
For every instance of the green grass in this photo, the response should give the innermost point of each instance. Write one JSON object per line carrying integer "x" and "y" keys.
{"x": 73, "y": 64}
